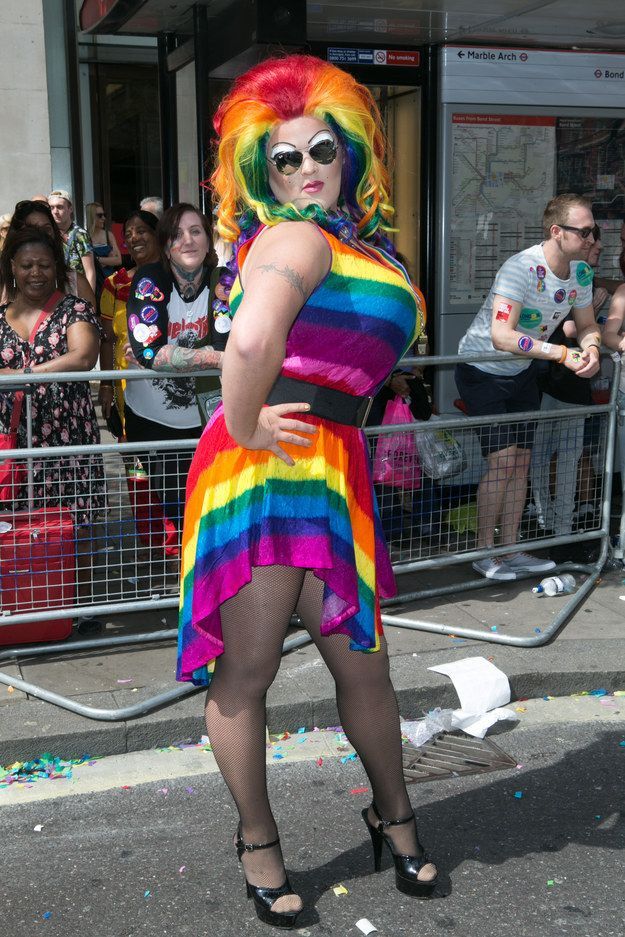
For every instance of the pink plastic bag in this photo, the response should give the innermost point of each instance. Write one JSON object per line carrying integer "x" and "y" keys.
{"x": 396, "y": 460}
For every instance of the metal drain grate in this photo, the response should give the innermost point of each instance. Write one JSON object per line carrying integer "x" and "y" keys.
{"x": 448, "y": 755}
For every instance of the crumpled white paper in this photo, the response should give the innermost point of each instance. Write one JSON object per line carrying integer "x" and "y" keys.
{"x": 482, "y": 689}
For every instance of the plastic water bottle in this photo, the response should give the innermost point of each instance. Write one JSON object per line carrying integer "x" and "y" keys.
{"x": 556, "y": 585}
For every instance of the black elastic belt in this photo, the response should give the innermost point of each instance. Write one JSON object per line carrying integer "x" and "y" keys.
{"x": 325, "y": 402}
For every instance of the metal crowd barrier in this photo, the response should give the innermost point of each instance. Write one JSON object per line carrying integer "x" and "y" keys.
{"x": 124, "y": 559}
{"x": 415, "y": 554}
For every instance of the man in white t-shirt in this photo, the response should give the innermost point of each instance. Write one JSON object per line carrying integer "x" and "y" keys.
{"x": 533, "y": 290}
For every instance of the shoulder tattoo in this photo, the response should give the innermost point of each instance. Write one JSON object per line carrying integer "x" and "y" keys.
{"x": 292, "y": 277}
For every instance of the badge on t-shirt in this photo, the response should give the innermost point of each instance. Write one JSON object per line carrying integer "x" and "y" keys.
{"x": 153, "y": 333}
{"x": 149, "y": 314}
{"x": 147, "y": 289}
{"x": 584, "y": 274}
{"x": 530, "y": 318}
{"x": 140, "y": 332}
{"x": 223, "y": 324}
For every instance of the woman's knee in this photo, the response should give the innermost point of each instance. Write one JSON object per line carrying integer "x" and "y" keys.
{"x": 249, "y": 674}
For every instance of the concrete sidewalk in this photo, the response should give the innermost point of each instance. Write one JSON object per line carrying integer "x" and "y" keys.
{"x": 586, "y": 654}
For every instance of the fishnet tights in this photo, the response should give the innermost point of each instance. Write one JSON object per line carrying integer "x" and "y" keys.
{"x": 254, "y": 624}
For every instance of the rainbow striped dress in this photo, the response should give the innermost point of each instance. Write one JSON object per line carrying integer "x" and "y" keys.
{"x": 248, "y": 508}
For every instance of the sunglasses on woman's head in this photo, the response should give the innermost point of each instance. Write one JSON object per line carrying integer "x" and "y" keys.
{"x": 288, "y": 162}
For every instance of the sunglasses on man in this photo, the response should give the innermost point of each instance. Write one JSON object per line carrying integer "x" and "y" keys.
{"x": 583, "y": 233}
{"x": 288, "y": 162}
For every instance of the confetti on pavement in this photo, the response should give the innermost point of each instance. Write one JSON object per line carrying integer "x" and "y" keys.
{"x": 47, "y": 766}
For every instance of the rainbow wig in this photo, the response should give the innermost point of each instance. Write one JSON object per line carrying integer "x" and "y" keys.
{"x": 282, "y": 89}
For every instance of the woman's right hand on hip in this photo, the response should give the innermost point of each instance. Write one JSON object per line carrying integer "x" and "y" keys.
{"x": 274, "y": 427}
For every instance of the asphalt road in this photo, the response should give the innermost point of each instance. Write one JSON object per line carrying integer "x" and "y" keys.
{"x": 155, "y": 858}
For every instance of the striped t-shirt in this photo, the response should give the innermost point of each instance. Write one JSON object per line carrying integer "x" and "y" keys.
{"x": 546, "y": 299}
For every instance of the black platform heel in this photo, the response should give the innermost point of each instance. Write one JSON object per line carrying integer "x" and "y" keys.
{"x": 407, "y": 868}
{"x": 264, "y": 898}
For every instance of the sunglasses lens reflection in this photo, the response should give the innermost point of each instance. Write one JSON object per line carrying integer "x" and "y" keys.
{"x": 323, "y": 152}
{"x": 289, "y": 162}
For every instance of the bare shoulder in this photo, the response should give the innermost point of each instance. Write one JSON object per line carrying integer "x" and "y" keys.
{"x": 298, "y": 246}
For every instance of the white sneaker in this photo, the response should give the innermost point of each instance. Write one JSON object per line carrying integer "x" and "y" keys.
{"x": 494, "y": 568}
{"x": 526, "y": 563}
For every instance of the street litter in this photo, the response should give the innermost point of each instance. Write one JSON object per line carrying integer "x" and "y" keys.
{"x": 47, "y": 766}
{"x": 339, "y": 890}
{"x": 482, "y": 690}
{"x": 366, "y": 926}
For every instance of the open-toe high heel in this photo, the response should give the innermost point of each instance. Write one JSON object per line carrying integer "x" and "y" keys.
{"x": 264, "y": 898}
{"x": 407, "y": 868}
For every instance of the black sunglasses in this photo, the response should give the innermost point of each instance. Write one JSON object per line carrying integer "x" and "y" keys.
{"x": 582, "y": 232}
{"x": 100, "y": 214}
{"x": 289, "y": 161}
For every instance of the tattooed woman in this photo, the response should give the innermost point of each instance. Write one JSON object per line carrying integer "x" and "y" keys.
{"x": 280, "y": 511}
{"x": 168, "y": 317}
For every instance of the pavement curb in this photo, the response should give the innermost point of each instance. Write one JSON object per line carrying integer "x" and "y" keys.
{"x": 30, "y": 727}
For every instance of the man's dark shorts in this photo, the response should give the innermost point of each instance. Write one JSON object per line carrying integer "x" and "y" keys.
{"x": 486, "y": 394}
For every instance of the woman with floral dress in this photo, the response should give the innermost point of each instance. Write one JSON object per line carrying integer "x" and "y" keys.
{"x": 42, "y": 330}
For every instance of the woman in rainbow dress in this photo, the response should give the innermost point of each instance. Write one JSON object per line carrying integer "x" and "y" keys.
{"x": 280, "y": 513}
